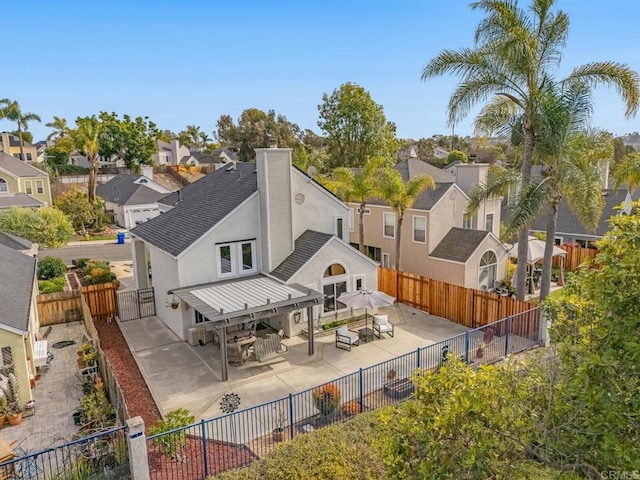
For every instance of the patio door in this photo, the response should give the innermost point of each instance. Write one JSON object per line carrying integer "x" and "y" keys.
{"x": 332, "y": 292}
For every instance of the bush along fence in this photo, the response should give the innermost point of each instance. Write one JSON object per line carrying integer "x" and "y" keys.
{"x": 234, "y": 440}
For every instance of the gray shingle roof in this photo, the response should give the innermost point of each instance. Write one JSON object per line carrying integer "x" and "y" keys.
{"x": 16, "y": 286}
{"x": 15, "y": 242}
{"x": 414, "y": 167}
{"x": 123, "y": 190}
{"x": 306, "y": 246}
{"x": 568, "y": 223}
{"x": 427, "y": 199}
{"x": 19, "y": 200}
{"x": 198, "y": 207}
{"x": 459, "y": 244}
{"x": 18, "y": 167}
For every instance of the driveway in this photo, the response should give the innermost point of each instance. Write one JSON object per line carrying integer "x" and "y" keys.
{"x": 179, "y": 375}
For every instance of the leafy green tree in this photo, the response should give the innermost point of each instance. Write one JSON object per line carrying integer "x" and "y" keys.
{"x": 60, "y": 128}
{"x": 425, "y": 148}
{"x": 131, "y": 139}
{"x": 86, "y": 138}
{"x": 11, "y": 111}
{"x": 359, "y": 186}
{"x": 356, "y": 127}
{"x": 457, "y": 156}
{"x": 517, "y": 51}
{"x": 627, "y": 172}
{"x": 74, "y": 203}
{"x": 400, "y": 196}
{"x": 58, "y": 154}
{"x": 51, "y": 267}
{"x": 47, "y": 226}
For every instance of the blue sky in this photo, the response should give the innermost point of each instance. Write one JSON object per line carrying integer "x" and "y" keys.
{"x": 189, "y": 62}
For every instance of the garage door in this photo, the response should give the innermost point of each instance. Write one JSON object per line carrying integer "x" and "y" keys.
{"x": 141, "y": 215}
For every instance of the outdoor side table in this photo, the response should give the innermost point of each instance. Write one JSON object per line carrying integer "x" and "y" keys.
{"x": 365, "y": 335}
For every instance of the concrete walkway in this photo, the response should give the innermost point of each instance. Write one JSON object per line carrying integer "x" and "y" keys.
{"x": 179, "y": 375}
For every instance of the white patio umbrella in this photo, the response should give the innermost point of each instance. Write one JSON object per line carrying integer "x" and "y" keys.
{"x": 366, "y": 299}
{"x": 535, "y": 250}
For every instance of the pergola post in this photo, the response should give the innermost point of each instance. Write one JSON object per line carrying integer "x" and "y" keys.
{"x": 310, "y": 327}
{"x": 223, "y": 352}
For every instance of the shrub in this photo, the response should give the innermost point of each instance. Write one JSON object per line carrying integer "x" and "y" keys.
{"x": 335, "y": 323}
{"x": 99, "y": 275}
{"x": 51, "y": 267}
{"x": 170, "y": 442}
{"x": 326, "y": 398}
{"x": 51, "y": 286}
{"x": 351, "y": 408}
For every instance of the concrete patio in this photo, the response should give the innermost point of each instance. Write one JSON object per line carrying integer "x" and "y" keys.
{"x": 179, "y": 375}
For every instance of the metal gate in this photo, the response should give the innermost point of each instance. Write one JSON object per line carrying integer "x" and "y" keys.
{"x": 136, "y": 304}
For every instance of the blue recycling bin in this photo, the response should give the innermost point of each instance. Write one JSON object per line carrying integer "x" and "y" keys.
{"x": 120, "y": 238}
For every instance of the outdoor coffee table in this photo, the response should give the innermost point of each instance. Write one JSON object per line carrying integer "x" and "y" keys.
{"x": 365, "y": 335}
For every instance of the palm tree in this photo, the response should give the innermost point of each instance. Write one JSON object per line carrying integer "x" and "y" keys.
{"x": 359, "y": 186}
{"x": 400, "y": 196}
{"x": 12, "y": 111}
{"x": 515, "y": 53}
{"x": 570, "y": 157}
{"x": 628, "y": 171}
{"x": 86, "y": 138}
{"x": 60, "y": 128}
{"x": 203, "y": 140}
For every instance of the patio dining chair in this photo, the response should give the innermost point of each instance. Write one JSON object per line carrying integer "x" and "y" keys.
{"x": 381, "y": 324}
{"x": 346, "y": 338}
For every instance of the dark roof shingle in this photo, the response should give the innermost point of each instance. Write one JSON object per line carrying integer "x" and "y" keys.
{"x": 16, "y": 287}
{"x": 459, "y": 244}
{"x": 306, "y": 246}
{"x": 18, "y": 167}
{"x": 198, "y": 207}
{"x": 19, "y": 200}
{"x": 123, "y": 190}
{"x": 15, "y": 242}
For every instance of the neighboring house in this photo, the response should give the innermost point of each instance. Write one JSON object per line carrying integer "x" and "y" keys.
{"x": 18, "y": 243}
{"x": 439, "y": 152}
{"x": 435, "y": 220}
{"x": 173, "y": 154}
{"x": 451, "y": 167}
{"x": 216, "y": 159}
{"x": 41, "y": 151}
{"x": 22, "y": 185}
{"x": 132, "y": 198}
{"x": 10, "y": 144}
{"x": 250, "y": 242}
{"x": 570, "y": 230}
{"x": 18, "y": 325}
{"x": 80, "y": 160}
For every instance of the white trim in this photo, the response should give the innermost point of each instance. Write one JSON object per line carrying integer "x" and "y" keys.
{"x": 490, "y": 286}
{"x": 352, "y": 219}
{"x": 235, "y": 260}
{"x": 332, "y": 281}
{"x": 413, "y": 230}
{"x": 354, "y": 280}
{"x": 486, "y": 215}
{"x": 336, "y": 218}
{"x": 388, "y": 262}
{"x": 384, "y": 224}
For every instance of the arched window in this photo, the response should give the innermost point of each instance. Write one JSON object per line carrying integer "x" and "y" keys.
{"x": 487, "y": 271}
{"x": 334, "y": 284}
{"x": 3, "y": 185}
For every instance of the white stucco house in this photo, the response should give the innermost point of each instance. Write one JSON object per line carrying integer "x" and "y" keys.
{"x": 132, "y": 198}
{"x": 252, "y": 242}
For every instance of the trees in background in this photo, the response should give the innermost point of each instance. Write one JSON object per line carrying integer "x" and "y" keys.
{"x": 132, "y": 140}
{"x": 86, "y": 138}
{"x": 10, "y": 109}
{"x": 60, "y": 129}
{"x": 457, "y": 156}
{"x": 516, "y": 54}
{"x": 356, "y": 128}
{"x": 75, "y": 204}
{"x": 47, "y": 226}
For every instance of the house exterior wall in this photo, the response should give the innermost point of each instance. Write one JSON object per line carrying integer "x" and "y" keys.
{"x": 318, "y": 210}
{"x": 445, "y": 271}
{"x": 311, "y": 275}
{"x": 473, "y": 264}
{"x": 14, "y": 151}
{"x": 19, "y": 352}
{"x": 118, "y": 213}
{"x": 131, "y": 216}
{"x": 444, "y": 215}
{"x": 12, "y": 183}
{"x": 166, "y": 276}
{"x": 45, "y": 196}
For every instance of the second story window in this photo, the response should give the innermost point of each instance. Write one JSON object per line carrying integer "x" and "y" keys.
{"x": 389, "y": 221}
{"x": 237, "y": 258}
{"x": 29, "y": 158}
{"x": 39, "y": 186}
{"x": 420, "y": 229}
{"x": 27, "y": 187}
{"x": 339, "y": 226}
{"x": 488, "y": 224}
{"x": 3, "y": 185}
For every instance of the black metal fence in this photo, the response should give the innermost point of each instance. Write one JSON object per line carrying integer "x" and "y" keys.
{"x": 135, "y": 304}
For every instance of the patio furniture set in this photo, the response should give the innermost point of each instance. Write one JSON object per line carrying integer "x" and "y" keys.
{"x": 346, "y": 339}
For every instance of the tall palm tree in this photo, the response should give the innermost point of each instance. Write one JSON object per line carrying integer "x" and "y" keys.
{"x": 203, "y": 140}
{"x": 359, "y": 186}
{"x": 515, "y": 56}
{"x": 570, "y": 157}
{"x": 628, "y": 171}
{"x": 12, "y": 111}
{"x": 400, "y": 196}
{"x": 60, "y": 128}
{"x": 86, "y": 138}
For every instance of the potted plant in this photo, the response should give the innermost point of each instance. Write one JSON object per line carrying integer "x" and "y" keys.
{"x": 279, "y": 421}
{"x": 3, "y": 411}
{"x": 480, "y": 350}
{"x": 351, "y": 408}
{"x": 91, "y": 358}
{"x": 487, "y": 335}
{"x": 326, "y": 398}
{"x": 14, "y": 414}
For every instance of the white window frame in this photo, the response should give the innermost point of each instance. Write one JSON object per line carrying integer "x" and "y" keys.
{"x": 486, "y": 218}
{"x": 384, "y": 224}
{"x": 352, "y": 220}
{"x": 235, "y": 249}
{"x": 386, "y": 260}
{"x": 488, "y": 266}
{"x": 28, "y": 189}
{"x": 414, "y": 229}
{"x": 336, "y": 220}
{"x": 355, "y": 282}
{"x": 39, "y": 187}
{"x": 333, "y": 280}
{"x": 4, "y": 186}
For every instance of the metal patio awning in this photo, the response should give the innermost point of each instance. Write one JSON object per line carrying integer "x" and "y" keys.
{"x": 246, "y": 299}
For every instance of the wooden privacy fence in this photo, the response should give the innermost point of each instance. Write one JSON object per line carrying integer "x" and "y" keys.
{"x": 575, "y": 256}
{"x": 59, "y": 307}
{"x": 101, "y": 300}
{"x": 466, "y": 306}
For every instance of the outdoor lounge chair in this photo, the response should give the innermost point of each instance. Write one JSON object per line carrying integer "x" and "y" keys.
{"x": 381, "y": 324}
{"x": 346, "y": 338}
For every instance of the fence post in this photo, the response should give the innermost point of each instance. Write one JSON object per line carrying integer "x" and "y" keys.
{"x": 507, "y": 321}
{"x": 137, "y": 444}
{"x": 138, "y": 303}
{"x": 360, "y": 391}
{"x": 418, "y": 358}
{"x": 291, "y": 429}
{"x": 203, "y": 433}
{"x": 466, "y": 347}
